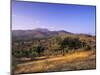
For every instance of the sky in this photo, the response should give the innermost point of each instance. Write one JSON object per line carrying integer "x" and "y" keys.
{"x": 68, "y": 17}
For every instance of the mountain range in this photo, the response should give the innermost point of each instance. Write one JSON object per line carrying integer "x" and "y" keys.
{"x": 39, "y": 33}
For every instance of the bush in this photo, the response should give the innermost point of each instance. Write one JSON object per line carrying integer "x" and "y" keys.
{"x": 87, "y": 47}
{"x": 37, "y": 50}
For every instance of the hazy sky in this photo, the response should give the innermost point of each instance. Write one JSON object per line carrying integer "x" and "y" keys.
{"x": 72, "y": 18}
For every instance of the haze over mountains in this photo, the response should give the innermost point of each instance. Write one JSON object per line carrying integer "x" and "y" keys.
{"x": 39, "y": 33}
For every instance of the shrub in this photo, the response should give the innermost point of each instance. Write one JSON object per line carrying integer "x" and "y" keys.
{"x": 37, "y": 50}
{"x": 87, "y": 47}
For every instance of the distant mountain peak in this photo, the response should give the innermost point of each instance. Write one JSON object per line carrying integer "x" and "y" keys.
{"x": 41, "y": 29}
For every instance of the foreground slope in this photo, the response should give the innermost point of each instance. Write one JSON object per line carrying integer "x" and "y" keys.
{"x": 80, "y": 60}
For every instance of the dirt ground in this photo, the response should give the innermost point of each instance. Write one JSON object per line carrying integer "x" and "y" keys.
{"x": 82, "y": 60}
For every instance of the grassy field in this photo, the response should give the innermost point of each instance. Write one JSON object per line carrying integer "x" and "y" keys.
{"x": 80, "y": 60}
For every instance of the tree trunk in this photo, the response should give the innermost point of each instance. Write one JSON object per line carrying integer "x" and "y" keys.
{"x": 63, "y": 52}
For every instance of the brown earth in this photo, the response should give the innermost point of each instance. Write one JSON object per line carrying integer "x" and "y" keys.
{"x": 81, "y": 60}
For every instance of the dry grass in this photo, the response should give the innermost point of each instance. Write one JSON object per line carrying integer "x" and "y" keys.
{"x": 73, "y": 61}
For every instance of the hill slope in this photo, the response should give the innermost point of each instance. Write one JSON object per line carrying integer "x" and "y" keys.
{"x": 37, "y": 33}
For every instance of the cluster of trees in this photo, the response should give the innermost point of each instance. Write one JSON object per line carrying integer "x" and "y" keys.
{"x": 41, "y": 47}
{"x": 36, "y": 50}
